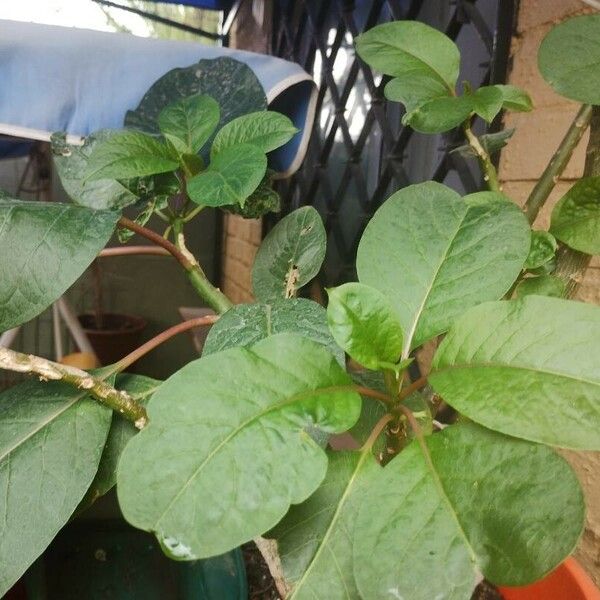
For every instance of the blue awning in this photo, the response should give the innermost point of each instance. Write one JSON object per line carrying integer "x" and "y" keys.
{"x": 80, "y": 81}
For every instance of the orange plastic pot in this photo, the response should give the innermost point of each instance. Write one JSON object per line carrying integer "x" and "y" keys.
{"x": 568, "y": 582}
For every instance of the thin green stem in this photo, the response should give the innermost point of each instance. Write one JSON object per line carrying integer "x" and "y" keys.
{"x": 490, "y": 175}
{"x": 207, "y": 291}
{"x": 193, "y": 213}
{"x": 558, "y": 163}
{"x": 571, "y": 265}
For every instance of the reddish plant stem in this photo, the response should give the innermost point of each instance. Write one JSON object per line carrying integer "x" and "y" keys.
{"x": 413, "y": 387}
{"x": 157, "y": 239}
{"x": 156, "y": 341}
{"x": 366, "y": 391}
{"x": 133, "y": 250}
{"x": 414, "y": 425}
{"x": 376, "y": 431}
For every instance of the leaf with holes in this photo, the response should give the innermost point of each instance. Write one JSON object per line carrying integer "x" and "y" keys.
{"x": 232, "y": 176}
{"x": 188, "y": 123}
{"x": 290, "y": 255}
{"x": 545, "y": 285}
{"x": 569, "y": 58}
{"x": 314, "y": 538}
{"x": 71, "y": 163}
{"x": 247, "y": 324}
{"x": 44, "y": 248}
{"x": 473, "y": 502}
{"x": 576, "y": 216}
{"x": 51, "y": 439}
{"x": 441, "y": 114}
{"x": 528, "y": 368}
{"x": 230, "y": 82}
{"x": 264, "y": 199}
{"x": 237, "y": 412}
{"x": 406, "y": 46}
{"x": 435, "y": 254}
{"x": 542, "y": 249}
{"x": 126, "y": 154}
{"x": 363, "y": 323}
{"x": 266, "y": 130}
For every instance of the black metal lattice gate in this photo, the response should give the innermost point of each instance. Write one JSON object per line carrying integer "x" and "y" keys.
{"x": 359, "y": 153}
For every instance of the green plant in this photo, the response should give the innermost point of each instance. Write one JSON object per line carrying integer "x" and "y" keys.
{"x": 234, "y": 445}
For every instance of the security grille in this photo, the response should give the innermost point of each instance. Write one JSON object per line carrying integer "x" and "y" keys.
{"x": 359, "y": 153}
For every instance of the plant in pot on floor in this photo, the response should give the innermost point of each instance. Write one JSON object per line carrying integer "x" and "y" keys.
{"x": 234, "y": 446}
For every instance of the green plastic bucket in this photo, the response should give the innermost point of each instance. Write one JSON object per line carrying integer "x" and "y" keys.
{"x": 101, "y": 560}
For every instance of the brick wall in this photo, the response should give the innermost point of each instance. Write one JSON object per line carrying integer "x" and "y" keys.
{"x": 241, "y": 237}
{"x": 523, "y": 160}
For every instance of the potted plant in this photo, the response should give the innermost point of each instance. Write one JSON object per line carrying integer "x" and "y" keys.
{"x": 234, "y": 446}
{"x": 112, "y": 335}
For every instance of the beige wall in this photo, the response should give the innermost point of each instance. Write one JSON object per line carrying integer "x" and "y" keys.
{"x": 523, "y": 160}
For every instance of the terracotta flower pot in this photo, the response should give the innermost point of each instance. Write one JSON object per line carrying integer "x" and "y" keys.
{"x": 120, "y": 334}
{"x": 568, "y": 582}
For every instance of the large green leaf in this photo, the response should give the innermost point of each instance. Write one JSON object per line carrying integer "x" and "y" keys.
{"x": 44, "y": 248}
{"x": 126, "y": 154}
{"x": 529, "y": 368}
{"x": 188, "y": 123}
{"x": 266, "y": 130}
{"x": 475, "y": 502}
{"x": 406, "y": 46}
{"x": 414, "y": 88}
{"x": 290, "y": 255}
{"x": 51, "y": 440}
{"x": 230, "y": 82}
{"x": 576, "y": 216}
{"x": 434, "y": 254}
{"x": 232, "y": 176}
{"x": 364, "y": 324}
{"x": 225, "y": 452}
{"x": 246, "y": 324}
{"x": 314, "y": 539}
{"x": 140, "y": 388}
{"x": 71, "y": 165}
{"x": 569, "y": 58}
{"x": 439, "y": 115}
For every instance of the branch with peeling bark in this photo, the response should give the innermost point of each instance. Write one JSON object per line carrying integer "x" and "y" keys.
{"x": 48, "y": 370}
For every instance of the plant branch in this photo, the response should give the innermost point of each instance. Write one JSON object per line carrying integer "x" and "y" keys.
{"x": 413, "y": 387}
{"x": 366, "y": 391}
{"x": 47, "y": 370}
{"x": 490, "y": 175}
{"x": 571, "y": 265}
{"x": 207, "y": 291}
{"x": 376, "y": 431}
{"x": 126, "y": 223}
{"x": 133, "y": 250}
{"x": 557, "y": 163}
{"x": 156, "y": 341}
